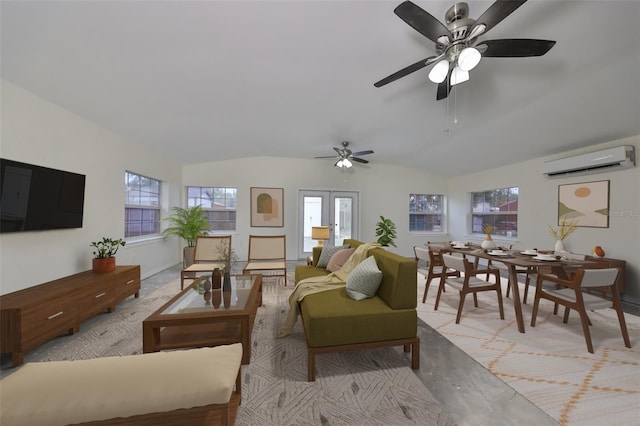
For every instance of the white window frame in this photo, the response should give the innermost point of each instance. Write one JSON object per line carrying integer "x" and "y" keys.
{"x": 228, "y": 205}
{"x": 475, "y": 227}
{"x": 441, "y": 213}
{"x": 148, "y": 201}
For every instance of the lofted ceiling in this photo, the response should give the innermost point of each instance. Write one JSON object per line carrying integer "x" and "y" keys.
{"x": 211, "y": 80}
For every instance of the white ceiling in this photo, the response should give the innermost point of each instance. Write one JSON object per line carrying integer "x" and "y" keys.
{"x": 212, "y": 80}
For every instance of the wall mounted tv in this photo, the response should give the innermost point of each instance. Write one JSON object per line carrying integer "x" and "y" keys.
{"x": 34, "y": 198}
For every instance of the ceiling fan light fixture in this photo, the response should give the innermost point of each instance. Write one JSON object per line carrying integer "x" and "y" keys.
{"x": 439, "y": 71}
{"x": 346, "y": 163}
{"x": 458, "y": 75}
{"x": 469, "y": 58}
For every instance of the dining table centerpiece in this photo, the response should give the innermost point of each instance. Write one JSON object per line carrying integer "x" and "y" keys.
{"x": 488, "y": 243}
{"x": 561, "y": 233}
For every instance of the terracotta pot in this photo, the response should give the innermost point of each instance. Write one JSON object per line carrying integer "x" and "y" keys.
{"x": 104, "y": 265}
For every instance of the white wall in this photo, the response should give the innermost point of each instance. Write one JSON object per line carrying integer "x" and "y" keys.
{"x": 384, "y": 190}
{"x": 538, "y": 204}
{"x": 39, "y": 132}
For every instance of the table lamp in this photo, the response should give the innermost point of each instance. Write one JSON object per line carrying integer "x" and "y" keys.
{"x": 320, "y": 233}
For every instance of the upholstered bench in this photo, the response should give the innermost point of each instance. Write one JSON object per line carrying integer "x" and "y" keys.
{"x": 194, "y": 386}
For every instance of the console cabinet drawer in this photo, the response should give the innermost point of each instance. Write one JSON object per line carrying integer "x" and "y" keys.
{"x": 42, "y": 322}
{"x": 128, "y": 283}
{"x": 95, "y": 299}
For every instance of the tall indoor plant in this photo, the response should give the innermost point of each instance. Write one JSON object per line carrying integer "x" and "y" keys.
{"x": 386, "y": 232}
{"x": 187, "y": 224}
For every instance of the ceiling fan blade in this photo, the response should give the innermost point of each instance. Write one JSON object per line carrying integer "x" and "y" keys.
{"x": 422, "y": 21}
{"x": 496, "y": 13}
{"x": 330, "y": 156}
{"x": 359, "y": 160}
{"x": 514, "y": 47}
{"x": 363, "y": 152}
{"x": 339, "y": 151}
{"x": 405, "y": 71}
{"x": 445, "y": 87}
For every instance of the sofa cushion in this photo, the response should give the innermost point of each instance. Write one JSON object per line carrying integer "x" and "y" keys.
{"x": 338, "y": 259}
{"x": 364, "y": 280}
{"x": 326, "y": 253}
{"x": 333, "y": 318}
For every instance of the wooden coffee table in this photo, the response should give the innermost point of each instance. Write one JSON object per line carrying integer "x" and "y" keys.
{"x": 197, "y": 318}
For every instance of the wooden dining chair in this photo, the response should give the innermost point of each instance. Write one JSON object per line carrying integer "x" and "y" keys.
{"x": 434, "y": 267}
{"x": 571, "y": 294}
{"x": 211, "y": 252}
{"x": 468, "y": 283}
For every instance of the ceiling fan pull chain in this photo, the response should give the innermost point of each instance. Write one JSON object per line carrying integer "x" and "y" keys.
{"x": 455, "y": 104}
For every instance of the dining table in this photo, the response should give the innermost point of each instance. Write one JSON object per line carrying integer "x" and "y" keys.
{"x": 516, "y": 260}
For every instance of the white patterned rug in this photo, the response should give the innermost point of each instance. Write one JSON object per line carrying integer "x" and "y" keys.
{"x": 549, "y": 364}
{"x": 373, "y": 387}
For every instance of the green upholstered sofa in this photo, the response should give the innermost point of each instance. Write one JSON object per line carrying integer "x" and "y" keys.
{"x": 334, "y": 322}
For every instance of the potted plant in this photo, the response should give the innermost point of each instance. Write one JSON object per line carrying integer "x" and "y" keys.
{"x": 104, "y": 255}
{"x": 187, "y": 224}
{"x": 386, "y": 232}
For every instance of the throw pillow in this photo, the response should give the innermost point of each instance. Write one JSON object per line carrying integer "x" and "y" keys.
{"x": 364, "y": 280}
{"x": 326, "y": 253}
{"x": 338, "y": 259}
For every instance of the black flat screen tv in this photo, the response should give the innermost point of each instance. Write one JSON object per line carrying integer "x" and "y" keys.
{"x": 34, "y": 198}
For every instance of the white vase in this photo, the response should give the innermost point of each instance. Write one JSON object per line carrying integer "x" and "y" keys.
{"x": 560, "y": 245}
{"x": 488, "y": 244}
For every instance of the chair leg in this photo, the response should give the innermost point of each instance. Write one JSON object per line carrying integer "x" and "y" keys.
{"x": 565, "y": 319}
{"x": 617, "y": 305}
{"x": 534, "y": 311}
{"x": 498, "y": 290}
{"x": 426, "y": 289}
{"x": 440, "y": 288}
{"x": 475, "y": 300}
{"x": 526, "y": 289}
{"x": 585, "y": 328}
{"x": 460, "y": 305}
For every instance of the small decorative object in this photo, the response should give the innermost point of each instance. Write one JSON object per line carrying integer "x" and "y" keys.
{"x": 598, "y": 251}
{"x": 207, "y": 285}
{"x": 104, "y": 255}
{"x": 216, "y": 279}
{"x": 386, "y": 232}
{"x": 227, "y": 255}
{"x": 226, "y": 282}
{"x": 488, "y": 243}
{"x": 207, "y": 297}
{"x": 563, "y": 231}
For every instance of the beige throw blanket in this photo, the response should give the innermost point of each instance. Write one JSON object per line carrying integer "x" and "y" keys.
{"x": 323, "y": 283}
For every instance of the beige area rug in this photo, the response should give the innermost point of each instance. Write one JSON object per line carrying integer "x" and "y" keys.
{"x": 375, "y": 387}
{"x": 549, "y": 364}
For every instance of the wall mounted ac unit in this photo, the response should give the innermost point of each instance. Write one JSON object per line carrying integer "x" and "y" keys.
{"x": 618, "y": 158}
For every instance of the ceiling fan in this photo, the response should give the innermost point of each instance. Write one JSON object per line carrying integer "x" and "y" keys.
{"x": 345, "y": 156}
{"x": 457, "y": 47}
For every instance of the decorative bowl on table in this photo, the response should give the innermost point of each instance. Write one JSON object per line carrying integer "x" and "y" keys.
{"x": 530, "y": 252}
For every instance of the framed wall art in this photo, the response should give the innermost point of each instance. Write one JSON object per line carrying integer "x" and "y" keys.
{"x": 267, "y": 207}
{"x": 585, "y": 204}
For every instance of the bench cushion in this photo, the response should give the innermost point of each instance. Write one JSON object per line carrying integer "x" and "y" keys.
{"x": 64, "y": 392}
{"x": 332, "y": 318}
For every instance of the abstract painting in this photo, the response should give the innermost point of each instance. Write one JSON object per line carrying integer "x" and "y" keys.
{"x": 267, "y": 207}
{"x": 585, "y": 204}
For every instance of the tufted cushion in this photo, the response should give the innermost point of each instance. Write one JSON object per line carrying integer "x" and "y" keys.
{"x": 338, "y": 259}
{"x": 327, "y": 253}
{"x": 364, "y": 280}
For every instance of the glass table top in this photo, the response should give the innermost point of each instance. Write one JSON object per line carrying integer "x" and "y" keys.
{"x": 198, "y": 300}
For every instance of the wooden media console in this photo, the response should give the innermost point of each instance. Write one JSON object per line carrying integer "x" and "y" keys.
{"x": 35, "y": 315}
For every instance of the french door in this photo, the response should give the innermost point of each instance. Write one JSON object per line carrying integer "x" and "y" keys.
{"x": 336, "y": 209}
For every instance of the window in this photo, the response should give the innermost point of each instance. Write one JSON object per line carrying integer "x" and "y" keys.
{"x": 142, "y": 205}
{"x": 498, "y": 208}
{"x": 425, "y": 212}
{"x": 218, "y": 203}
